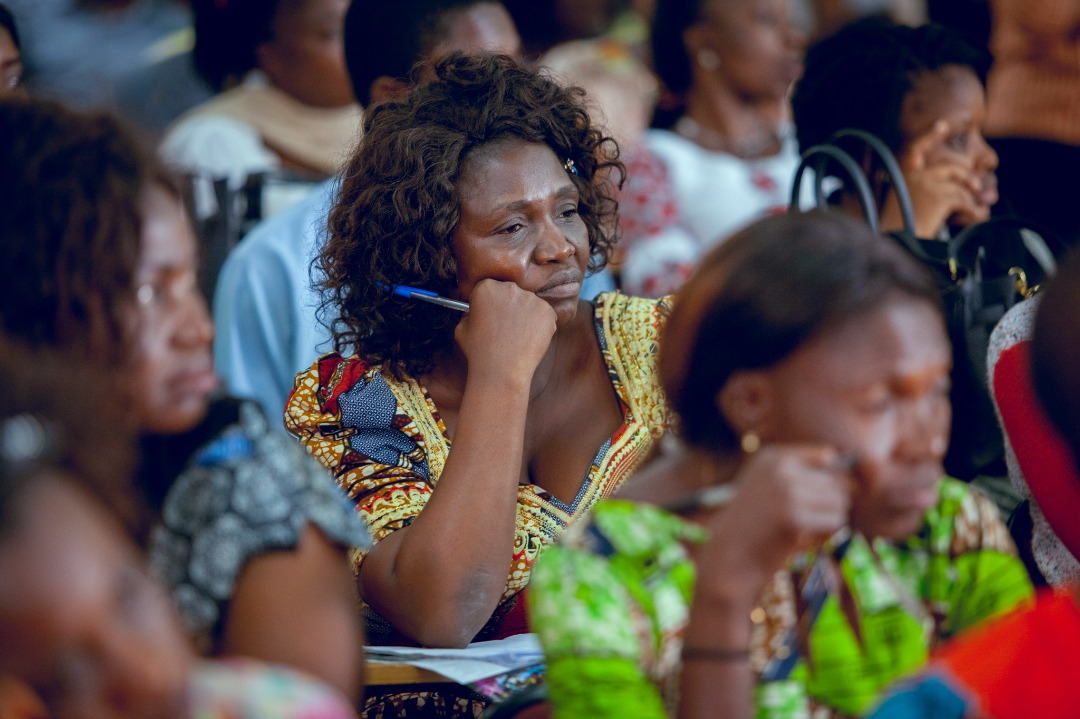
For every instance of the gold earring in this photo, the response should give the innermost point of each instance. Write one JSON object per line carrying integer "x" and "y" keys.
{"x": 708, "y": 59}
{"x": 750, "y": 442}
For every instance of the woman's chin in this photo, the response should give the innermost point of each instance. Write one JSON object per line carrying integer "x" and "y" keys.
{"x": 176, "y": 417}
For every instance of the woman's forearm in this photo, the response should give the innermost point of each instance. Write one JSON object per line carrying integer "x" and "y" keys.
{"x": 439, "y": 579}
{"x": 716, "y": 678}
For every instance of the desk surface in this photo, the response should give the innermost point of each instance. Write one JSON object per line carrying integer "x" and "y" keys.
{"x": 378, "y": 673}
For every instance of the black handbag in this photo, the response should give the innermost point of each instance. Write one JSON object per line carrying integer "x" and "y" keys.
{"x": 981, "y": 272}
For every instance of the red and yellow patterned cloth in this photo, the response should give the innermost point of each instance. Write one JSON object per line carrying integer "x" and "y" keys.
{"x": 385, "y": 441}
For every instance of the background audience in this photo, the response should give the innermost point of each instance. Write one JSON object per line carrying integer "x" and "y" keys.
{"x": 11, "y": 65}
{"x": 265, "y": 305}
{"x": 791, "y": 549}
{"x": 724, "y": 154}
{"x": 287, "y": 102}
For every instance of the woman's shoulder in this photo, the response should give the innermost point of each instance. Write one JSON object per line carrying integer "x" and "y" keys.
{"x": 247, "y": 490}
{"x": 631, "y": 313}
{"x": 322, "y": 385}
{"x": 967, "y": 520}
{"x": 216, "y": 144}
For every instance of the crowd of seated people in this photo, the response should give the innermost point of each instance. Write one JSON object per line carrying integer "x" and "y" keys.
{"x": 440, "y": 399}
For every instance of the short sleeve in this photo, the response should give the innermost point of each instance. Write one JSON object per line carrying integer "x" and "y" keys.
{"x": 990, "y": 579}
{"x": 247, "y": 492}
{"x": 346, "y": 415}
{"x": 609, "y": 604}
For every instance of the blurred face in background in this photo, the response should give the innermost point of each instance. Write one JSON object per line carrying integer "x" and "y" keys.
{"x": 483, "y": 27}
{"x": 171, "y": 367}
{"x": 954, "y": 95}
{"x": 876, "y": 388}
{"x": 306, "y": 57}
{"x": 756, "y": 43}
{"x": 81, "y": 622}
{"x": 11, "y": 66}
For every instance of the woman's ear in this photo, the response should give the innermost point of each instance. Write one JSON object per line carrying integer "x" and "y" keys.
{"x": 385, "y": 88}
{"x": 746, "y": 401}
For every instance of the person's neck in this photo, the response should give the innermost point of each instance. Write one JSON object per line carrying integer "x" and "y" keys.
{"x": 718, "y": 120}
{"x": 713, "y": 468}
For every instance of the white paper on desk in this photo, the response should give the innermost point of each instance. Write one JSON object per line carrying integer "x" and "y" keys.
{"x": 477, "y": 661}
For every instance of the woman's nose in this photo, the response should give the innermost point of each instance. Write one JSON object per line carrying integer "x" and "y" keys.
{"x": 924, "y": 434}
{"x": 195, "y": 327}
{"x": 987, "y": 159}
{"x": 554, "y": 245}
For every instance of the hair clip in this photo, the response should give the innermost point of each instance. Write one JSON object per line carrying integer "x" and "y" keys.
{"x": 569, "y": 166}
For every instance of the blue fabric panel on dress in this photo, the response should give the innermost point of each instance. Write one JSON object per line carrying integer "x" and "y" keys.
{"x": 369, "y": 409}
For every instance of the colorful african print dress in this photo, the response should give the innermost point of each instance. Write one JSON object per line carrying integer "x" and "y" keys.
{"x": 385, "y": 442}
{"x": 1018, "y": 667}
{"x": 610, "y": 604}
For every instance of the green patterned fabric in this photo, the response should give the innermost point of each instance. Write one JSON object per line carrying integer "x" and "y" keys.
{"x": 611, "y": 601}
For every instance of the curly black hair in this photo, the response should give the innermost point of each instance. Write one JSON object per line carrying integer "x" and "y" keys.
{"x": 70, "y": 227}
{"x": 859, "y": 77}
{"x": 398, "y": 204}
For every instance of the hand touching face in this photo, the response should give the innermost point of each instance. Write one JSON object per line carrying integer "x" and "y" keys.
{"x": 876, "y": 389}
{"x": 948, "y": 166}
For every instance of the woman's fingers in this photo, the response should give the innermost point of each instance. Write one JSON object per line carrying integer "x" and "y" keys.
{"x": 507, "y": 329}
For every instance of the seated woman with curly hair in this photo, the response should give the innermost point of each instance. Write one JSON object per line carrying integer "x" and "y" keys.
{"x": 470, "y": 441}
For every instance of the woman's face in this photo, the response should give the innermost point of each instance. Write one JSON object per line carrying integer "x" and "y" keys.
{"x": 759, "y": 48}
{"x": 875, "y": 388}
{"x": 519, "y": 223}
{"x": 172, "y": 368}
{"x": 11, "y": 66}
{"x": 80, "y": 620}
{"x": 954, "y": 95}
{"x": 483, "y": 27}
{"x": 306, "y": 57}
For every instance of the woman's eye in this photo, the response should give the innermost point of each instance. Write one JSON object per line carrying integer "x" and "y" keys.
{"x": 877, "y": 404}
{"x": 958, "y": 141}
{"x": 150, "y": 293}
{"x": 569, "y": 212}
{"x": 513, "y": 229}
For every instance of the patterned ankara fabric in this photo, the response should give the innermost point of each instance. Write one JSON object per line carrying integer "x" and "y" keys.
{"x": 681, "y": 200}
{"x": 1039, "y": 460}
{"x": 244, "y": 689}
{"x": 1020, "y": 667}
{"x": 231, "y": 490}
{"x": 610, "y": 604}
{"x": 385, "y": 442}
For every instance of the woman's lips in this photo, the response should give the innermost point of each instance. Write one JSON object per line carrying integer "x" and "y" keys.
{"x": 988, "y": 196}
{"x": 199, "y": 382}
{"x": 561, "y": 291}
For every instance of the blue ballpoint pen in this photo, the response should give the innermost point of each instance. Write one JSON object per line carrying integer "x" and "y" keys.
{"x": 415, "y": 293}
